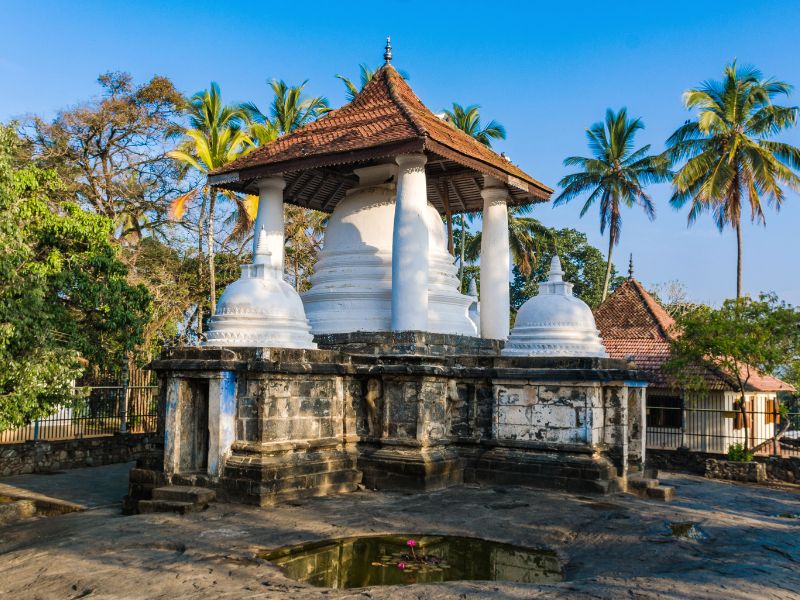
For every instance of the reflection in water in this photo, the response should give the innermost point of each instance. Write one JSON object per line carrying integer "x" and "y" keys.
{"x": 366, "y": 561}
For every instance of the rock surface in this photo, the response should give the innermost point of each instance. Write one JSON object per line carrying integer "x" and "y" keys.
{"x": 614, "y": 547}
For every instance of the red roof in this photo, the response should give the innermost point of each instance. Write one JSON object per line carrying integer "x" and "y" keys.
{"x": 385, "y": 119}
{"x": 634, "y": 326}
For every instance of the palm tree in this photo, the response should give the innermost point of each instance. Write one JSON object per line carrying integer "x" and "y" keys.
{"x": 616, "y": 175}
{"x": 213, "y": 138}
{"x": 730, "y": 158}
{"x": 468, "y": 120}
{"x": 527, "y": 240}
{"x": 288, "y": 111}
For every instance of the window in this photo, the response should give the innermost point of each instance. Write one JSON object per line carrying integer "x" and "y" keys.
{"x": 665, "y": 411}
{"x": 770, "y": 411}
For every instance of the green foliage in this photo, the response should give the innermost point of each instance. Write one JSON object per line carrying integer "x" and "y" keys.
{"x": 616, "y": 175}
{"x": 468, "y": 120}
{"x": 737, "y": 452}
{"x": 729, "y": 158}
{"x": 741, "y": 338}
{"x": 65, "y": 302}
{"x": 584, "y": 266}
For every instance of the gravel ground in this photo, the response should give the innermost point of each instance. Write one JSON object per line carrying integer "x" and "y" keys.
{"x": 613, "y": 547}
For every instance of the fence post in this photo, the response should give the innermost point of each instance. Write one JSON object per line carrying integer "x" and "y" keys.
{"x": 36, "y": 430}
{"x": 123, "y": 405}
{"x": 775, "y": 428}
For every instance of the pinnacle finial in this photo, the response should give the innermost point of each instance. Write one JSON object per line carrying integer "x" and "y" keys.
{"x": 630, "y": 267}
{"x": 472, "y": 290}
{"x": 556, "y": 274}
{"x": 262, "y": 254}
{"x": 387, "y": 54}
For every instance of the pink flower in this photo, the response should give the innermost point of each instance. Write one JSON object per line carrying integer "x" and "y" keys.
{"x": 411, "y": 543}
{"x": 401, "y": 565}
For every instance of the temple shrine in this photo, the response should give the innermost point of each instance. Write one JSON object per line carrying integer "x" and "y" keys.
{"x": 384, "y": 373}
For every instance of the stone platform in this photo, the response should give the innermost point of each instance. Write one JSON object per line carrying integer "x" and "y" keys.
{"x": 264, "y": 426}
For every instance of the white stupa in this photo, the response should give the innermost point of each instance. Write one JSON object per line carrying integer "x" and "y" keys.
{"x": 555, "y": 323}
{"x": 351, "y": 288}
{"x": 260, "y": 309}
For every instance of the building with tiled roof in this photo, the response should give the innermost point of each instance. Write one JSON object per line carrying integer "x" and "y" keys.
{"x": 635, "y": 327}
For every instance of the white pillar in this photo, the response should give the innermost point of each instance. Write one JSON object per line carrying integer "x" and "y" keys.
{"x": 495, "y": 261}
{"x": 410, "y": 246}
{"x": 270, "y": 217}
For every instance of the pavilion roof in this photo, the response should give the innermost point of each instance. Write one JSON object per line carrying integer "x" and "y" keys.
{"x": 634, "y": 326}
{"x": 385, "y": 119}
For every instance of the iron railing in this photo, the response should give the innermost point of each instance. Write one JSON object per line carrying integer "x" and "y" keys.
{"x": 95, "y": 411}
{"x": 713, "y": 430}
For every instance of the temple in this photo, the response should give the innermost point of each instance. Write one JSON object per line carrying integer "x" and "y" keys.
{"x": 384, "y": 373}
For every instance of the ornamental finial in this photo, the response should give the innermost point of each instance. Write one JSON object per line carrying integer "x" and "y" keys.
{"x": 630, "y": 267}
{"x": 387, "y": 54}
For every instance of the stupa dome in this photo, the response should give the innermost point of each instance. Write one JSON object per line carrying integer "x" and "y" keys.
{"x": 260, "y": 309}
{"x": 555, "y": 323}
{"x": 351, "y": 288}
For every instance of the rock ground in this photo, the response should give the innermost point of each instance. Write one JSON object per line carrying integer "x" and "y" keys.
{"x": 614, "y": 547}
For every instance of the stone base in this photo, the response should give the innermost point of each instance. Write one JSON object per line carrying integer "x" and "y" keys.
{"x": 408, "y": 468}
{"x": 269, "y": 474}
{"x": 754, "y": 472}
{"x": 573, "y": 472}
{"x": 407, "y": 343}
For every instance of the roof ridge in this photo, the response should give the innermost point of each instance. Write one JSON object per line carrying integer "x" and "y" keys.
{"x": 654, "y": 308}
{"x": 389, "y": 72}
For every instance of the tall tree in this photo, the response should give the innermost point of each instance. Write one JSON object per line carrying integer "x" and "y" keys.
{"x": 730, "y": 160}
{"x": 616, "y": 175}
{"x": 288, "y": 110}
{"x": 111, "y": 152}
{"x": 65, "y": 302}
{"x": 213, "y": 138}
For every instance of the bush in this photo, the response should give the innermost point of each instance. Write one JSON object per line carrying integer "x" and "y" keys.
{"x": 738, "y": 453}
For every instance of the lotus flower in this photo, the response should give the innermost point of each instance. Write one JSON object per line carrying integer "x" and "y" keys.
{"x": 401, "y": 565}
{"x": 411, "y": 543}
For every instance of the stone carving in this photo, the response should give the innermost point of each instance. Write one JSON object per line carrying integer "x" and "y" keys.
{"x": 372, "y": 399}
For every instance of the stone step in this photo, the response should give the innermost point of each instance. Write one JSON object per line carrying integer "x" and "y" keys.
{"x": 185, "y": 493}
{"x": 664, "y": 493}
{"x": 642, "y": 483}
{"x": 156, "y": 506}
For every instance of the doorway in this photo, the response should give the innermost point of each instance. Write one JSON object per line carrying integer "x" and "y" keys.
{"x": 194, "y": 437}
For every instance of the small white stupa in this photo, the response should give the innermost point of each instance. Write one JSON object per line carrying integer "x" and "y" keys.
{"x": 555, "y": 323}
{"x": 260, "y": 309}
{"x": 351, "y": 288}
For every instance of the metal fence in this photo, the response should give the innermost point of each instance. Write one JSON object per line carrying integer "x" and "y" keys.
{"x": 94, "y": 411}
{"x": 672, "y": 425}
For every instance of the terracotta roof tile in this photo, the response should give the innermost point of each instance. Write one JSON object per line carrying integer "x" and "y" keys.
{"x": 386, "y": 118}
{"x": 634, "y": 326}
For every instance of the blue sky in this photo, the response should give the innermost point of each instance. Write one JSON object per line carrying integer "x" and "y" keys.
{"x": 545, "y": 70}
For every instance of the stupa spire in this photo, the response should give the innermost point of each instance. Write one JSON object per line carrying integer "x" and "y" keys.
{"x": 630, "y": 267}
{"x": 556, "y": 273}
{"x": 387, "y": 53}
{"x": 262, "y": 255}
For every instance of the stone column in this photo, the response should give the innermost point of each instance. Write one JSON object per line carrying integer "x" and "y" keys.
{"x": 495, "y": 261}
{"x": 410, "y": 246}
{"x": 270, "y": 216}
{"x": 221, "y": 421}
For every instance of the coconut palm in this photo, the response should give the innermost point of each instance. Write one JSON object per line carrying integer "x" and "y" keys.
{"x": 730, "y": 160}
{"x": 213, "y": 138}
{"x": 468, "y": 120}
{"x": 288, "y": 110}
{"x": 616, "y": 175}
{"x": 527, "y": 239}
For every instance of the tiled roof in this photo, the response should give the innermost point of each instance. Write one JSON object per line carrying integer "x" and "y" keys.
{"x": 636, "y": 327}
{"x": 385, "y": 119}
